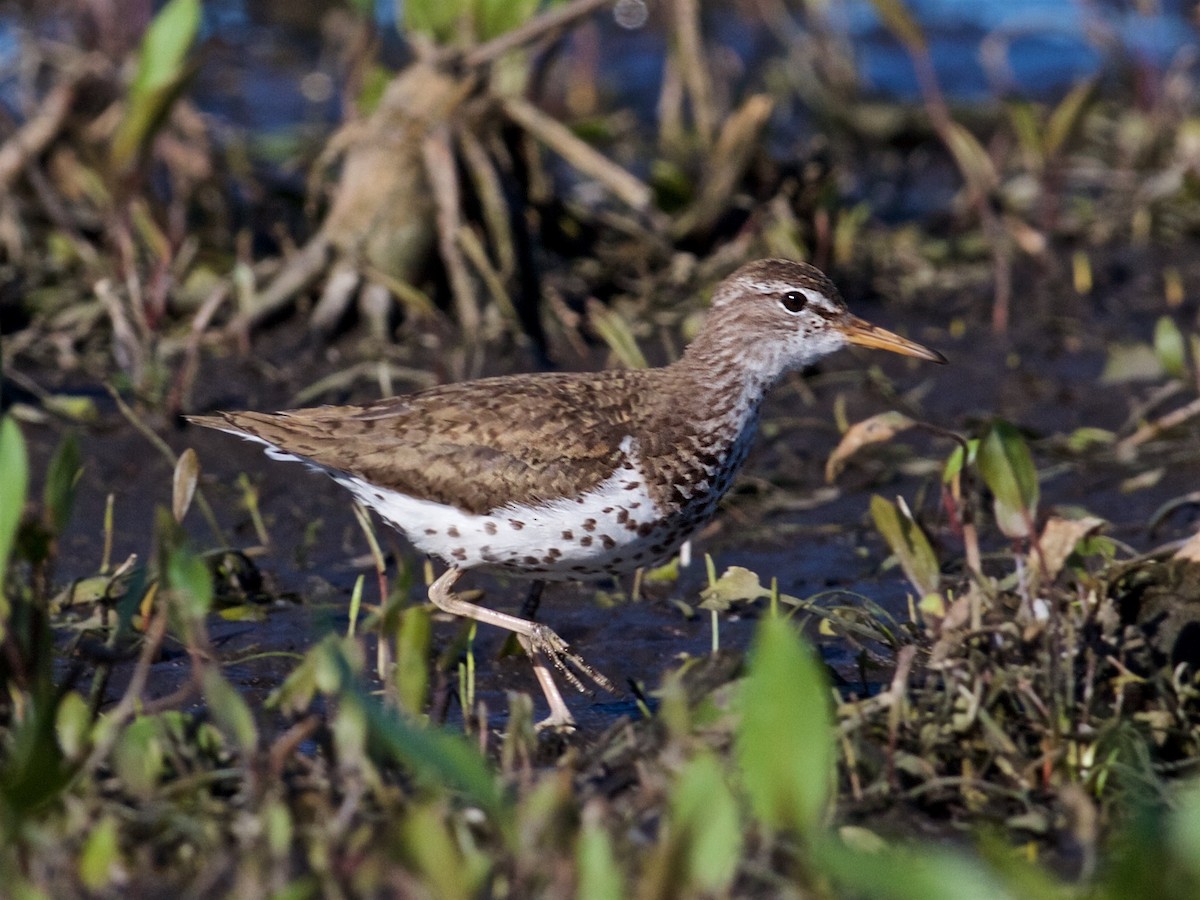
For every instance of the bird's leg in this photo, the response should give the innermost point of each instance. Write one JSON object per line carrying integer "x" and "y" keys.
{"x": 560, "y": 716}
{"x": 533, "y": 600}
{"x": 539, "y": 641}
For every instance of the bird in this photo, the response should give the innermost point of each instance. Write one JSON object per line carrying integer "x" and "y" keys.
{"x": 574, "y": 476}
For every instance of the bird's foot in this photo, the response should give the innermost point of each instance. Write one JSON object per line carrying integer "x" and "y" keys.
{"x": 560, "y": 654}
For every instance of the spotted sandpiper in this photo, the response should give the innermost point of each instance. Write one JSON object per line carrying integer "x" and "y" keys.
{"x": 579, "y": 475}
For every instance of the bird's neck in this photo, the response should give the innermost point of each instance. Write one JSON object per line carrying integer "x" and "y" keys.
{"x": 725, "y": 376}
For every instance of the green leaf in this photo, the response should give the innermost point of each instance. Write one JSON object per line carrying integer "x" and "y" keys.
{"x": 1006, "y": 467}
{"x": 191, "y": 582}
{"x": 431, "y": 848}
{"x": 1028, "y": 129}
{"x": 436, "y": 19}
{"x": 436, "y": 757}
{"x": 1131, "y": 362}
{"x": 704, "y": 811}
{"x": 921, "y": 873}
{"x": 736, "y": 585}
{"x": 159, "y": 77}
{"x": 600, "y": 873}
{"x": 62, "y": 476}
{"x": 138, "y": 757}
{"x": 14, "y": 475}
{"x": 495, "y": 17}
{"x": 906, "y": 539}
{"x": 99, "y": 860}
{"x": 784, "y": 740}
{"x": 32, "y": 769}
{"x": 229, "y": 711}
{"x": 412, "y": 658}
{"x": 73, "y": 724}
{"x": 954, "y": 462}
{"x": 1170, "y": 347}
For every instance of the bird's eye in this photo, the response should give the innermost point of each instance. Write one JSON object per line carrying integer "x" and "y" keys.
{"x": 793, "y": 301}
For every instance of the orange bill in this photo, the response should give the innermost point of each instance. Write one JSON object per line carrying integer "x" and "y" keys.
{"x": 864, "y": 334}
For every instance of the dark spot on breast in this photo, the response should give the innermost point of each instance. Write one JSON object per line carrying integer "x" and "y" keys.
{"x": 459, "y": 553}
{"x": 552, "y": 556}
{"x": 632, "y": 485}
{"x": 452, "y": 532}
{"x": 517, "y": 524}
{"x": 489, "y": 527}
{"x": 568, "y": 535}
{"x": 608, "y": 542}
{"x": 585, "y": 541}
{"x": 431, "y": 531}
{"x": 645, "y": 529}
{"x": 623, "y": 516}
{"x": 607, "y": 510}
{"x": 531, "y": 560}
{"x": 589, "y": 524}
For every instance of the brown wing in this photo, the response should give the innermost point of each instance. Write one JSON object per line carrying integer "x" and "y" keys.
{"x": 477, "y": 445}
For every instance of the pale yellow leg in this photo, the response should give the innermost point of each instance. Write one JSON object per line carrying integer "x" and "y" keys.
{"x": 539, "y": 642}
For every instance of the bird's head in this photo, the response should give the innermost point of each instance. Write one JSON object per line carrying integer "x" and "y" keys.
{"x": 784, "y": 315}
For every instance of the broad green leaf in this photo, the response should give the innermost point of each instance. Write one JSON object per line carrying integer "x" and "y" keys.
{"x": 100, "y": 858}
{"x": 1007, "y": 469}
{"x": 1170, "y": 347}
{"x": 1184, "y": 827}
{"x": 906, "y": 539}
{"x": 32, "y": 769}
{"x": 435, "y": 757}
{"x": 412, "y": 658}
{"x": 431, "y": 848}
{"x": 191, "y": 582}
{"x": 73, "y": 724}
{"x": 14, "y": 475}
{"x": 784, "y": 740}
{"x": 229, "y": 711}
{"x": 1131, "y": 362}
{"x": 737, "y": 585}
{"x": 705, "y": 814}
{"x": 160, "y": 73}
{"x": 436, "y": 19}
{"x": 138, "y": 757}
{"x": 62, "y": 475}
{"x": 183, "y": 483}
{"x": 495, "y": 17}
{"x": 925, "y": 872}
{"x": 600, "y": 872}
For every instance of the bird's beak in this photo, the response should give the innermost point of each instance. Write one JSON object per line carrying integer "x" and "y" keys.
{"x": 864, "y": 334}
